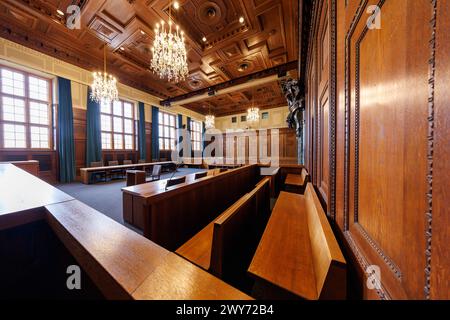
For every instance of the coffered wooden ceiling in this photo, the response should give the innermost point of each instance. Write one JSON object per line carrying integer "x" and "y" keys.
{"x": 268, "y": 37}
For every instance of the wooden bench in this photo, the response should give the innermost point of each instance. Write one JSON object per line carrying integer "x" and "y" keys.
{"x": 298, "y": 255}
{"x": 225, "y": 247}
{"x": 296, "y": 182}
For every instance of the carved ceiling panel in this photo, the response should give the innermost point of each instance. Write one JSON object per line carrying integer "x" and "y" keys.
{"x": 265, "y": 97}
{"x": 267, "y": 37}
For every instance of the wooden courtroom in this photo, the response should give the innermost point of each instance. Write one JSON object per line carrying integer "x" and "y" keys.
{"x": 255, "y": 150}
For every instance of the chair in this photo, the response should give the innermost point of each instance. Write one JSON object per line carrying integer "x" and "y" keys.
{"x": 101, "y": 174}
{"x": 174, "y": 182}
{"x": 156, "y": 173}
{"x": 142, "y": 161}
{"x": 115, "y": 172}
{"x": 126, "y": 162}
{"x": 200, "y": 175}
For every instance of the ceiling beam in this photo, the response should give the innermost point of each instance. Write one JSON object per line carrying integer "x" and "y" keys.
{"x": 250, "y": 80}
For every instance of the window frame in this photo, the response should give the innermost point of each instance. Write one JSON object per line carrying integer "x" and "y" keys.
{"x": 163, "y": 125}
{"x": 112, "y": 133}
{"x": 199, "y": 132}
{"x": 27, "y": 101}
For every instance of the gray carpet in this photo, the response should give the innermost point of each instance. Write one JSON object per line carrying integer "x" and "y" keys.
{"x": 106, "y": 197}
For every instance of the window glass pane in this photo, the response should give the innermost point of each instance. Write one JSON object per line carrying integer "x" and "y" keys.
{"x": 38, "y": 88}
{"x": 118, "y": 141}
{"x": 117, "y": 108}
{"x": 39, "y": 137}
{"x": 106, "y": 141}
{"x": 166, "y": 132}
{"x": 166, "y": 119}
{"x": 128, "y": 110}
{"x": 14, "y": 136}
{"x": 161, "y": 144}
{"x": 172, "y": 121}
{"x": 161, "y": 131}
{"x": 118, "y": 126}
{"x": 166, "y": 144}
{"x": 13, "y": 83}
{"x": 105, "y": 107}
{"x": 128, "y": 126}
{"x": 13, "y": 109}
{"x": 160, "y": 118}
{"x": 172, "y": 133}
{"x": 105, "y": 123}
{"x": 172, "y": 144}
{"x": 39, "y": 113}
{"x": 128, "y": 142}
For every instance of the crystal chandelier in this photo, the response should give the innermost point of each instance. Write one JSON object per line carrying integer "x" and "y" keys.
{"x": 104, "y": 86}
{"x": 209, "y": 122}
{"x": 253, "y": 114}
{"x": 169, "y": 59}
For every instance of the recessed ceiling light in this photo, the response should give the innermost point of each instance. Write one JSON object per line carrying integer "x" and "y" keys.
{"x": 122, "y": 48}
{"x": 142, "y": 32}
{"x": 60, "y": 12}
{"x": 241, "y": 20}
{"x": 204, "y": 39}
{"x": 176, "y": 5}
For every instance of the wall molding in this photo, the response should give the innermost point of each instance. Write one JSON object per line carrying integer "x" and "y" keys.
{"x": 333, "y": 109}
{"x": 430, "y": 151}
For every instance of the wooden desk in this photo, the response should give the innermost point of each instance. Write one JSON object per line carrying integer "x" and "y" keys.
{"x": 175, "y": 215}
{"x": 86, "y": 172}
{"x": 136, "y": 177}
{"x": 121, "y": 263}
{"x": 135, "y": 197}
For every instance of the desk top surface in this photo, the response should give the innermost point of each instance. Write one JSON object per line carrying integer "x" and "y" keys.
{"x": 20, "y": 191}
{"x": 279, "y": 258}
{"x": 156, "y": 187}
{"x": 124, "y": 166}
{"x": 294, "y": 179}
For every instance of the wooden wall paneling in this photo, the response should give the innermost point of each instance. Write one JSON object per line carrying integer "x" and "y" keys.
{"x": 383, "y": 113}
{"x": 79, "y": 134}
{"x": 47, "y": 161}
{"x": 386, "y": 128}
{"x": 287, "y": 146}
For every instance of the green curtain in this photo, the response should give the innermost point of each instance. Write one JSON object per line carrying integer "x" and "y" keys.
{"x": 180, "y": 121}
{"x": 66, "y": 147}
{"x": 188, "y": 127}
{"x": 204, "y": 135}
{"x": 155, "y": 132}
{"x": 180, "y": 137}
{"x": 93, "y": 131}
{"x": 142, "y": 142}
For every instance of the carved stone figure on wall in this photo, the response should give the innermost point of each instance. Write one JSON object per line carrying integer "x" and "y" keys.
{"x": 295, "y": 99}
{"x": 295, "y": 96}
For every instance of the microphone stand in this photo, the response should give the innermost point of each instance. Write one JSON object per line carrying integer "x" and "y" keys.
{"x": 173, "y": 174}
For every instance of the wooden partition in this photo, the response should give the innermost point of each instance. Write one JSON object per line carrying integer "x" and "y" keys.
{"x": 377, "y": 114}
{"x": 43, "y": 231}
{"x": 173, "y": 217}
